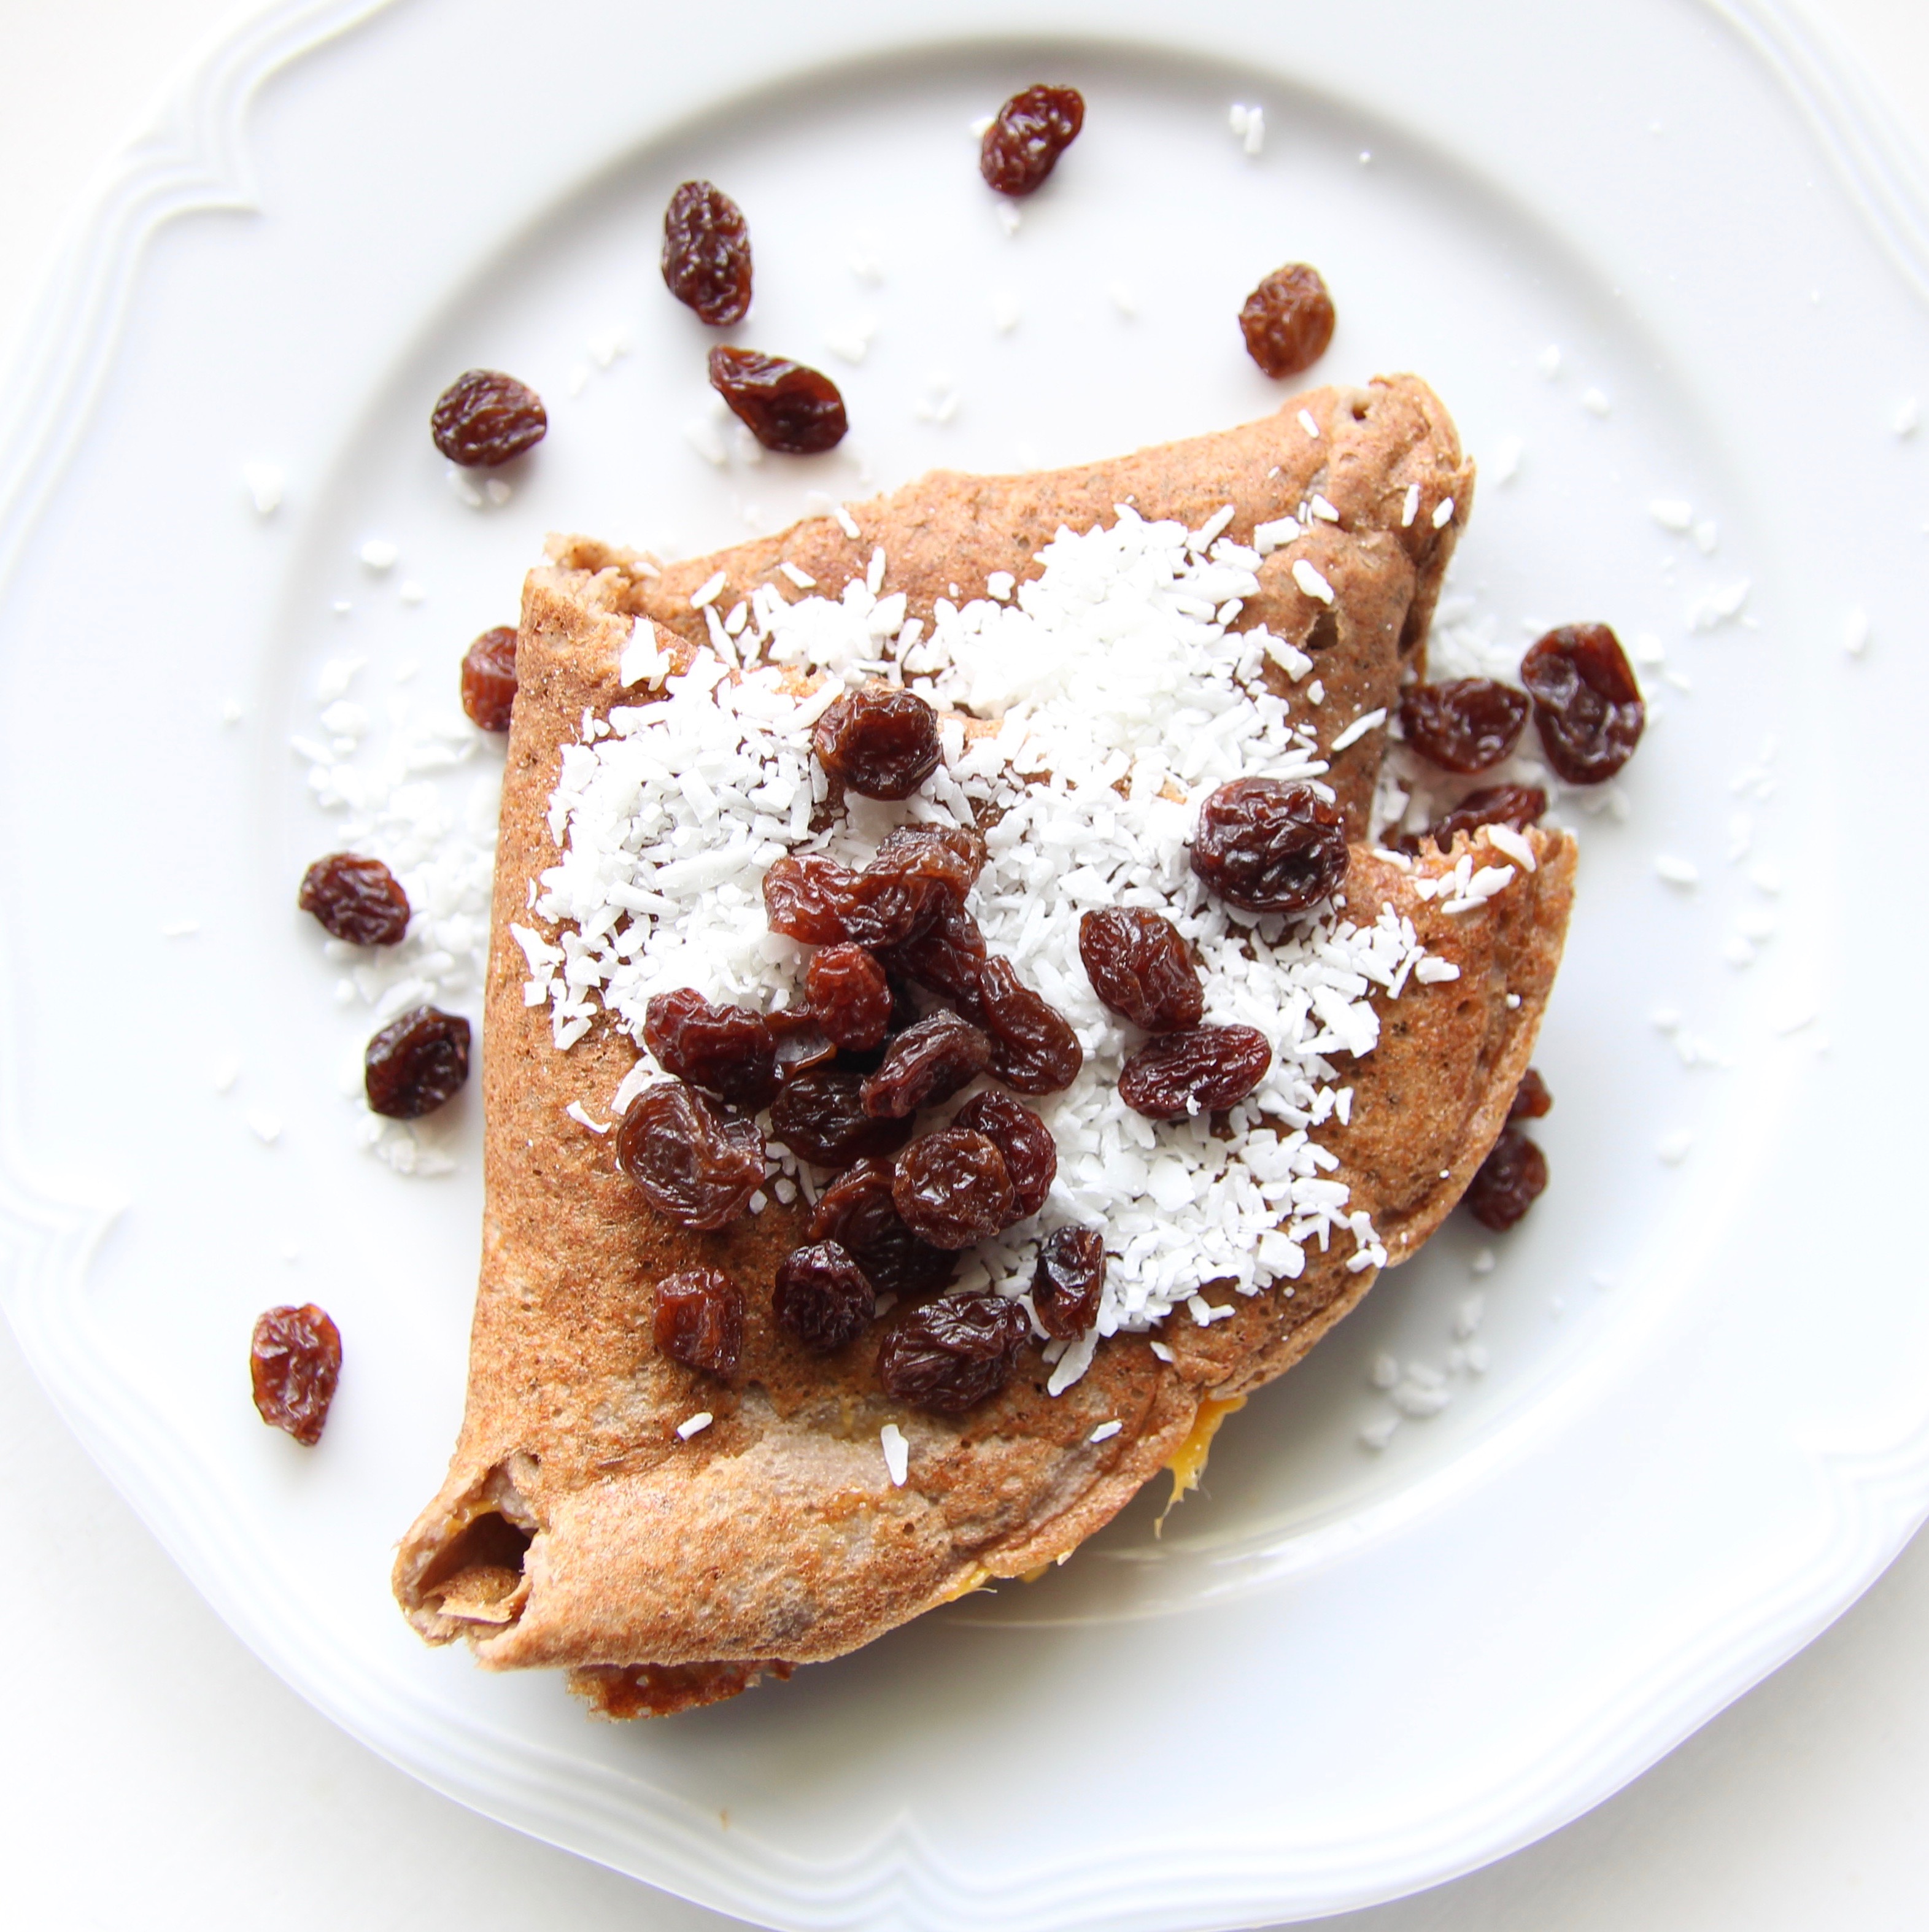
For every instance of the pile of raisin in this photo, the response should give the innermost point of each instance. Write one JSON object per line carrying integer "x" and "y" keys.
{"x": 857, "y": 1213}
{"x": 1265, "y": 846}
{"x": 728, "y": 1050}
{"x": 1287, "y": 320}
{"x": 953, "y": 1189}
{"x": 1141, "y": 968}
{"x": 880, "y": 741}
{"x": 953, "y": 1353}
{"x": 357, "y": 899}
{"x": 485, "y": 418}
{"x": 295, "y": 1361}
{"x": 795, "y": 410}
{"x": 706, "y": 254}
{"x": 1202, "y": 1071}
{"x": 416, "y": 1064}
{"x": 1022, "y": 145}
{"x": 1069, "y": 1281}
{"x": 699, "y": 1320}
{"x": 489, "y": 679}
{"x": 1587, "y": 706}
{"x": 694, "y": 1163}
{"x": 822, "y": 1296}
{"x": 1466, "y": 725}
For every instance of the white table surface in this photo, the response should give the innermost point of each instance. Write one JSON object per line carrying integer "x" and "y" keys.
{"x": 155, "y": 1775}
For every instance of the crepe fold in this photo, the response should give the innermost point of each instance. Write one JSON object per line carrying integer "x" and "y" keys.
{"x": 575, "y": 1529}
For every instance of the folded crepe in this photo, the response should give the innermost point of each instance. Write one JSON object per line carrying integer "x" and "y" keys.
{"x": 577, "y": 1528}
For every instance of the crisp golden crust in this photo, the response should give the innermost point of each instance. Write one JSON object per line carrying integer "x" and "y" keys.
{"x": 665, "y": 1573}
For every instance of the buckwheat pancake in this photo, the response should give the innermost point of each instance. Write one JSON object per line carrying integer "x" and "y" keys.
{"x": 576, "y": 1528}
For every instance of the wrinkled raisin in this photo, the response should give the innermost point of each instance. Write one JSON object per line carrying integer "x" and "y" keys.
{"x": 357, "y": 899}
{"x": 881, "y": 742}
{"x": 295, "y": 1361}
{"x": 1265, "y": 846}
{"x": 947, "y": 958}
{"x": 820, "y": 1116}
{"x": 822, "y": 1296}
{"x": 1031, "y": 1155}
{"x": 729, "y": 1050}
{"x": 810, "y": 898}
{"x": 1515, "y": 805}
{"x": 1022, "y": 145}
{"x": 951, "y": 855}
{"x": 787, "y": 407}
{"x": 927, "y": 1063}
{"x": 1467, "y": 724}
{"x": 952, "y": 1188}
{"x": 1509, "y": 1182}
{"x": 706, "y": 254}
{"x": 1532, "y": 1100}
{"x": 416, "y": 1064}
{"x": 1069, "y": 1280}
{"x": 953, "y": 1353}
{"x": 1587, "y": 706}
{"x": 1287, "y": 320}
{"x": 1202, "y": 1071}
{"x": 857, "y": 1213}
{"x": 1034, "y": 1048}
{"x": 1141, "y": 968}
{"x": 850, "y": 996}
{"x": 699, "y": 1320}
{"x": 485, "y": 418}
{"x": 694, "y": 1163}
{"x": 489, "y": 679}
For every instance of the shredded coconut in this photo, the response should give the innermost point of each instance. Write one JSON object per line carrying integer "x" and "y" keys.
{"x": 897, "y": 1454}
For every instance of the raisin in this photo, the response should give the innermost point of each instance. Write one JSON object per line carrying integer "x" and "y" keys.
{"x": 951, "y": 855}
{"x": 416, "y": 1064}
{"x": 1034, "y": 1048}
{"x": 1265, "y": 846}
{"x": 1202, "y": 1071}
{"x": 810, "y": 898}
{"x": 699, "y": 1320}
{"x": 927, "y": 1063}
{"x": 1532, "y": 1100}
{"x": 706, "y": 254}
{"x": 1287, "y": 320}
{"x": 357, "y": 899}
{"x": 1468, "y": 725}
{"x": 952, "y": 1188}
{"x": 1069, "y": 1280}
{"x": 1141, "y": 968}
{"x": 820, "y": 1116}
{"x": 694, "y": 1163}
{"x": 1587, "y": 707}
{"x": 787, "y": 407}
{"x": 1509, "y": 1182}
{"x": 1031, "y": 1155}
{"x": 947, "y": 958}
{"x": 850, "y": 996}
{"x": 1515, "y": 805}
{"x": 953, "y": 1353}
{"x": 729, "y": 1050}
{"x": 857, "y": 1213}
{"x": 485, "y": 418}
{"x": 822, "y": 1296}
{"x": 489, "y": 679}
{"x": 1021, "y": 146}
{"x": 295, "y": 1361}
{"x": 881, "y": 742}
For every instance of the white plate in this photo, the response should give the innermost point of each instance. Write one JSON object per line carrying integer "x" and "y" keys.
{"x": 1341, "y": 1676}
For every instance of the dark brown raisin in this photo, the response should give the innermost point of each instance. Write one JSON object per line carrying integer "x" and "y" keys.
{"x": 706, "y": 254}
{"x": 951, "y": 855}
{"x": 857, "y": 1212}
{"x": 1021, "y": 146}
{"x": 699, "y": 1320}
{"x": 1515, "y": 805}
{"x": 357, "y": 899}
{"x": 1265, "y": 846}
{"x": 295, "y": 1362}
{"x": 1031, "y": 1155}
{"x": 489, "y": 679}
{"x": 1202, "y": 1071}
{"x": 850, "y": 996}
{"x": 694, "y": 1163}
{"x": 1467, "y": 724}
{"x": 1532, "y": 1100}
{"x": 820, "y": 1116}
{"x": 1141, "y": 968}
{"x": 953, "y": 1188}
{"x": 416, "y": 1064}
{"x": 1034, "y": 1048}
{"x": 880, "y": 741}
{"x": 1587, "y": 707}
{"x": 810, "y": 898}
{"x": 787, "y": 407}
{"x": 953, "y": 1353}
{"x": 1287, "y": 320}
{"x": 822, "y": 1296}
{"x": 927, "y": 1063}
{"x": 1511, "y": 1180}
{"x": 485, "y": 418}
{"x": 947, "y": 958}
{"x": 1069, "y": 1280}
{"x": 729, "y": 1050}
